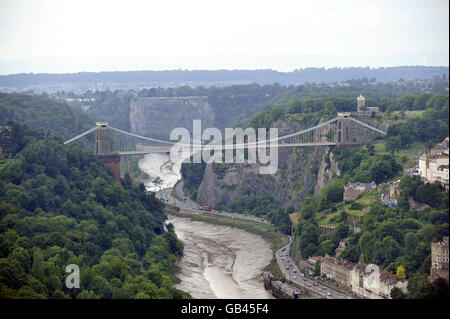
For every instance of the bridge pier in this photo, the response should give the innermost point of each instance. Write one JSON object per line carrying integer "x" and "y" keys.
{"x": 102, "y": 149}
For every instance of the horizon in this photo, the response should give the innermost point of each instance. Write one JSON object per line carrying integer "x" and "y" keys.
{"x": 225, "y": 69}
{"x": 49, "y": 36}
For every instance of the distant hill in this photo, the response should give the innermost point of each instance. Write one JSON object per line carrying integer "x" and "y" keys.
{"x": 145, "y": 79}
{"x": 41, "y": 112}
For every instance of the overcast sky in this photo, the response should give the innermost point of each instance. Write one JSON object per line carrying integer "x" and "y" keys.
{"x": 72, "y": 36}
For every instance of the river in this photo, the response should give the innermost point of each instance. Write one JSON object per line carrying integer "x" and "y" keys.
{"x": 218, "y": 262}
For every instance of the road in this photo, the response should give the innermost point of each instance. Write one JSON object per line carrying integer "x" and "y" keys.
{"x": 187, "y": 204}
{"x": 289, "y": 269}
{"x": 291, "y": 272}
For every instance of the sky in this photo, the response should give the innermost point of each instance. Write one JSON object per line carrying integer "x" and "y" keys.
{"x": 61, "y": 36}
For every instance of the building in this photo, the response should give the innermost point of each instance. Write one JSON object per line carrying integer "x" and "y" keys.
{"x": 353, "y": 190}
{"x": 361, "y": 106}
{"x": 360, "y": 103}
{"x": 394, "y": 190}
{"x": 325, "y": 229}
{"x": 361, "y": 278}
{"x": 442, "y": 147}
{"x": 337, "y": 269}
{"x": 439, "y": 260}
{"x": 370, "y": 285}
{"x": 434, "y": 168}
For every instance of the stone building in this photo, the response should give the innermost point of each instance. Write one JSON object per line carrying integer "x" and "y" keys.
{"x": 360, "y": 278}
{"x": 353, "y": 190}
{"x": 337, "y": 269}
{"x": 361, "y": 106}
{"x": 435, "y": 168}
{"x": 439, "y": 260}
{"x": 325, "y": 229}
{"x": 370, "y": 285}
{"x": 360, "y": 103}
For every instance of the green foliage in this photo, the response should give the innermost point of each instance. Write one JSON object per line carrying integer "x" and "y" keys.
{"x": 432, "y": 194}
{"x": 72, "y": 211}
{"x": 261, "y": 206}
{"x": 40, "y": 112}
{"x": 192, "y": 174}
{"x": 362, "y": 165}
{"x": 432, "y": 126}
{"x": 420, "y": 288}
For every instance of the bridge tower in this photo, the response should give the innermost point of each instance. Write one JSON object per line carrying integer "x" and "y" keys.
{"x": 102, "y": 149}
{"x": 344, "y": 130}
{"x": 102, "y": 138}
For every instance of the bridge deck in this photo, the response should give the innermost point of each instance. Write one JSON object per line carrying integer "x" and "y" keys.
{"x": 226, "y": 147}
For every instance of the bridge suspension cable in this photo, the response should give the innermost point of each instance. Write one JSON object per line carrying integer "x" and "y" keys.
{"x": 319, "y": 135}
{"x": 368, "y": 126}
{"x": 79, "y": 136}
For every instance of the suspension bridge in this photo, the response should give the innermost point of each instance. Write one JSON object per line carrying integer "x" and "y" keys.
{"x": 341, "y": 131}
{"x": 110, "y": 143}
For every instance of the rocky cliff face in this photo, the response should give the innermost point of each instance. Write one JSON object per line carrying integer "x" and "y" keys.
{"x": 301, "y": 171}
{"x": 328, "y": 168}
{"x": 159, "y": 115}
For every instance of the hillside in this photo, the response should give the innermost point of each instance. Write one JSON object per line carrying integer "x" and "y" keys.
{"x": 83, "y": 81}
{"x": 44, "y": 113}
{"x": 59, "y": 205}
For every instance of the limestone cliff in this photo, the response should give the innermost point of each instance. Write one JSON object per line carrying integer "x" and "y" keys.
{"x": 328, "y": 168}
{"x": 301, "y": 171}
{"x": 157, "y": 116}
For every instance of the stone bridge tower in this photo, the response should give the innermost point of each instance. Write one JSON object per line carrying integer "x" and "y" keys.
{"x": 102, "y": 138}
{"x": 102, "y": 149}
{"x": 344, "y": 135}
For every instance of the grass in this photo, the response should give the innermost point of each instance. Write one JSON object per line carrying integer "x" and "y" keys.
{"x": 2, "y": 163}
{"x": 354, "y": 212}
{"x": 368, "y": 198}
{"x": 408, "y": 114}
{"x": 365, "y": 200}
{"x": 294, "y": 218}
{"x": 325, "y": 220}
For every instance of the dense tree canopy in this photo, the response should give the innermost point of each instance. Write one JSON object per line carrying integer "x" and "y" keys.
{"x": 59, "y": 205}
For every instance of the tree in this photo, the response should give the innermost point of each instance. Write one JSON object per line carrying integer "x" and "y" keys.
{"x": 37, "y": 269}
{"x": 439, "y": 289}
{"x": 157, "y": 182}
{"x": 317, "y": 269}
{"x": 397, "y": 293}
{"x": 401, "y": 272}
{"x": 393, "y": 143}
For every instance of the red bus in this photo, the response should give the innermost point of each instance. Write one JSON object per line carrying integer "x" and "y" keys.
{"x": 207, "y": 208}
